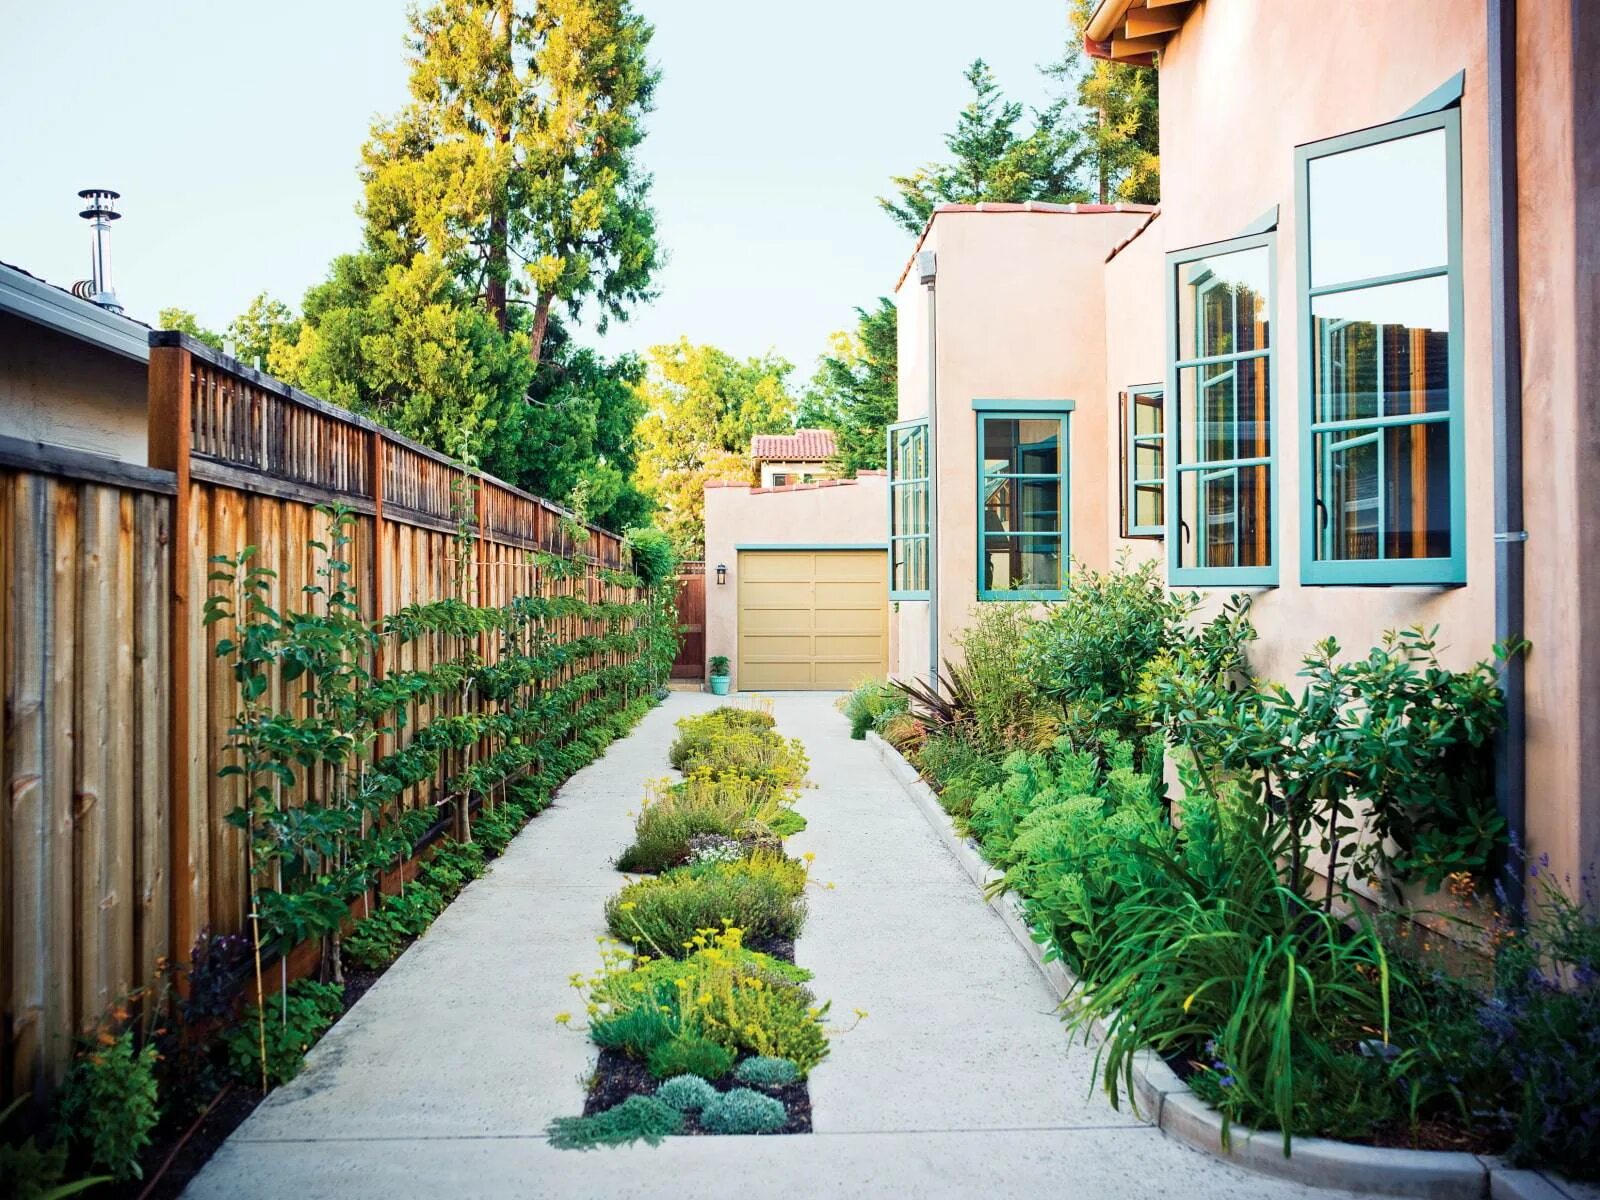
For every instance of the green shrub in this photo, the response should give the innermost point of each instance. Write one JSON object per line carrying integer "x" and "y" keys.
{"x": 787, "y": 823}
{"x": 743, "y": 1111}
{"x": 744, "y": 1001}
{"x": 1006, "y": 709}
{"x": 636, "y": 1119}
{"x": 761, "y": 895}
{"x": 870, "y": 704}
{"x": 949, "y": 756}
{"x": 690, "y": 1054}
{"x": 1091, "y": 647}
{"x": 765, "y": 1071}
{"x": 733, "y": 807}
{"x": 378, "y": 939}
{"x": 638, "y": 1029}
{"x": 687, "y": 1093}
{"x": 291, "y": 1026}
{"x": 654, "y": 559}
{"x": 108, "y": 1104}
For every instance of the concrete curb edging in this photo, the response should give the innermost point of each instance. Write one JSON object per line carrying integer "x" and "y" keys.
{"x": 1164, "y": 1100}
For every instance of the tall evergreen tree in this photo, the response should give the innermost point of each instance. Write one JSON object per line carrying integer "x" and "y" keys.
{"x": 515, "y": 163}
{"x": 855, "y": 391}
{"x": 1118, "y": 114}
{"x": 992, "y": 159}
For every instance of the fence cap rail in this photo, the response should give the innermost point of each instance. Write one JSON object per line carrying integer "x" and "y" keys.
{"x": 175, "y": 339}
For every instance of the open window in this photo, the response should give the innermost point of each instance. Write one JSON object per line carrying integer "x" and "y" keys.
{"x": 1379, "y": 214}
{"x": 1144, "y": 462}
{"x": 908, "y": 510}
{"x": 1219, "y": 414}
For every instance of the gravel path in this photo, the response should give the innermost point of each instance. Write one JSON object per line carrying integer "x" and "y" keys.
{"x": 960, "y": 1082}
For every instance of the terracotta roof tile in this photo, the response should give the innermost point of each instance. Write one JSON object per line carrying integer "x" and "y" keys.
{"x": 803, "y": 445}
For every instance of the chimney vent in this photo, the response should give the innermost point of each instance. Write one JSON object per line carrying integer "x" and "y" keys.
{"x": 100, "y": 210}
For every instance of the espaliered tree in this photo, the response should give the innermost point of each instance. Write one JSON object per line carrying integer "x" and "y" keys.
{"x": 514, "y": 163}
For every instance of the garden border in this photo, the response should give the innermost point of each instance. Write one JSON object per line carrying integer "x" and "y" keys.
{"x": 1164, "y": 1100}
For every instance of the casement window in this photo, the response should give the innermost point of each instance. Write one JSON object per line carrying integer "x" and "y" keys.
{"x": 1023, "y": 547}
{"x": 908, "y": 510}
{"x": 1379, "y": 211}
{"x": 1220, "y": 510}
{"x": 1144, "y": 462}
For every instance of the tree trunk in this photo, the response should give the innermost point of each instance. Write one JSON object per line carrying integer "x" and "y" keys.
{"x": 541, "y": 322}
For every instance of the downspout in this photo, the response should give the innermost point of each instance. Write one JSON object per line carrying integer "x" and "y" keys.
{"x": 927, "y": 271}
{"x": 1510, "y": 537}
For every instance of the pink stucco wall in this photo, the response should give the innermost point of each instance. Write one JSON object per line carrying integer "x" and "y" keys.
{"x": 1021, "y": 316}
{"x": 837, "y": 513}
{"x": 1028, "y": 306}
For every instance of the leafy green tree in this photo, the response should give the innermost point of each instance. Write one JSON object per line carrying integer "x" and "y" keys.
{"x": 399, "y": 343}
{"x": 1117, "y": 113}
{"x": 702, "y": 406}
{"x": 514, "y": 165}
{"x": 994, "y": 160}
{"x": 184, "y": 321}
{"x": 855, "y": 391}
{"x": 263, "y": 324}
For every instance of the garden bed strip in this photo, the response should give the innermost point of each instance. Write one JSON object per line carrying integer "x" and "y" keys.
{"x": 1166, "y": 1102}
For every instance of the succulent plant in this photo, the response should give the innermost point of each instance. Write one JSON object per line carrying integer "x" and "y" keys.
{"x": 766, "y": 1071}
{"x": 715, "y": 847}
{"x": 743, "y": 1111}
{"x": 638, "y": 1118}
{"x": 687, "y": 1093}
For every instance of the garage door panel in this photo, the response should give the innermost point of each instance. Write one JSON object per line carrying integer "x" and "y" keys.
{"x": 838, "y": 647}
{"x": 770, "y": 647}
{"x": 776, "y": 568}
{"x": 777, "y": 675}
{"x": 812, "y": 619}
{"x": 850, "y": 565}
{"x": 850, "y": 620}
{"x": 839, "y": 677}
{"x": 775, "y": 620}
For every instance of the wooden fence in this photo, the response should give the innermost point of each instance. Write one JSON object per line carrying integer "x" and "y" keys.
{"x": 114, "y": 847}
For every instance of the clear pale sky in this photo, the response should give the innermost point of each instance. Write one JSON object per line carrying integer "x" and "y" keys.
{"x": 233, "y": 131}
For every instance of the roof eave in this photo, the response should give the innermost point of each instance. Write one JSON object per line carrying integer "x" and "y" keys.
{"x": 36, "y": 301}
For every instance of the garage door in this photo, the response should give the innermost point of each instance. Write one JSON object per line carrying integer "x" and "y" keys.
{"x": 812, "y": 619}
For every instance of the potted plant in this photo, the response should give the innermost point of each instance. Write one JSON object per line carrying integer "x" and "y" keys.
{"x": 719, "y": 674}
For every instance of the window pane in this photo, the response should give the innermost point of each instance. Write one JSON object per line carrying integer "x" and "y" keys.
{"x": 1146, "y": 413}
{"x": 1013, "y": 563}
{"x": 1022, "y": 505}
{"x": 1022, "y": 447}
{"x": 1384, "y": 494}
{"x": 1379, "y": 210}
{"x": 1382, "y": 351}
{"x": 1147, "y": 460}
{"x": 1222, "y": 304}
{"x": 1148, "y": 509}
{"x": 1224, "y": 411}
{"x": 1225, "y": 517}
{"x": 911, "y": 565}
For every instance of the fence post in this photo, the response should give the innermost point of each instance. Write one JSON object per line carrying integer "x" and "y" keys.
{"x": 169, "y": 445}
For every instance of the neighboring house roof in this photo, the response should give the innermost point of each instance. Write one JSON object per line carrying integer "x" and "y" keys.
{"x": 45, "y": 304}
{"x": 803, "y": 445}
{"x": 1029, "y": 206}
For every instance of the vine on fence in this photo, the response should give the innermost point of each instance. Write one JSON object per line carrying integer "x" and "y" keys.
{"x": 312, "y": 710}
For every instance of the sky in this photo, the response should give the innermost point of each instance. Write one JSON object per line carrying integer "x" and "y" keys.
{"x": 233, "y": 132}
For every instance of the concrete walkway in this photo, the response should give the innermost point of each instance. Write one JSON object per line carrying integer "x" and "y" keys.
{"x": 440, "y": 1081}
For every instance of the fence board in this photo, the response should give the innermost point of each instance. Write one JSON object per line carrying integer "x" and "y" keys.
{"x": 115, "y": 851}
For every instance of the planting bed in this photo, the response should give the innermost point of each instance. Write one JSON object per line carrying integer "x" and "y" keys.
{"x": 701, "y": 1029}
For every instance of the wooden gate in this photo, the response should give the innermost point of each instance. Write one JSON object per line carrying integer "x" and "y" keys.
{"x": 691, "y": 660}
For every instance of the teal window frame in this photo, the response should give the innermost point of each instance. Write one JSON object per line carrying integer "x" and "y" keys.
{"x": 1132, "y": 441}
{"x": 1216, "y": 469}
{"x": 898, "y": 484}
{"x": 1450, "y": 570}
{"x": 1027, "y": 410}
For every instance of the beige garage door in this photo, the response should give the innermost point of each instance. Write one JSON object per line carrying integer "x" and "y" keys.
{"x": 812, "y": 619}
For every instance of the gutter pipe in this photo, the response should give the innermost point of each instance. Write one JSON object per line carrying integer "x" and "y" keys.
{"x": 927, "y": 273}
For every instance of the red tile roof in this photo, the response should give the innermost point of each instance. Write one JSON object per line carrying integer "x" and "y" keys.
{"x": 803, "y": 445}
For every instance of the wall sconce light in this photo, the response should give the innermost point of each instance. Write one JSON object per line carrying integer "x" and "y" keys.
{"x": 722, "y": 574}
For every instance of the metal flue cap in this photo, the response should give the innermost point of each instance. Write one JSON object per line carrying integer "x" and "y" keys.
{"x": 101, "y": 203}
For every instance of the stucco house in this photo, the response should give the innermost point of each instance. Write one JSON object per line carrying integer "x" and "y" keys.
{"x": 803, "y": 456}
{"x": 1347, "y": 367}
